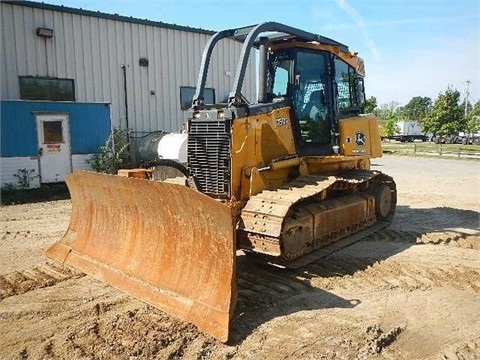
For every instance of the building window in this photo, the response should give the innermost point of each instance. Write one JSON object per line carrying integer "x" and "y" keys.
{"x": 38, "y": 88}
{"x": 186, "y": 96}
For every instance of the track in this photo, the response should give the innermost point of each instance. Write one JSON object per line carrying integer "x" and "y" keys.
{"x": 293, "y": 225}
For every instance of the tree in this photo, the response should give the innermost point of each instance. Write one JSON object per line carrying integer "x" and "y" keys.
{"x": 472, "y": 125}
{"x": 446, "y": 117}
{"x": 388, "y": 115}
{"x": 370, "y": 105}
{"x": 417, "y": 108}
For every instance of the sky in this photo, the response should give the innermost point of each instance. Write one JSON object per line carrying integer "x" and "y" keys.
{"x": 410, "y": 47}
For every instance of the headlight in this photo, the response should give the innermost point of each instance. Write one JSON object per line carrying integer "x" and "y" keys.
{"x": 196, "y": 115}
{"x": 220, "y": 114}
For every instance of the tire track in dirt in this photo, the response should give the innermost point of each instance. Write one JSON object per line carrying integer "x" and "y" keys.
{"x": 417, "y": 268}
{"x": 112, "y": 329}
{"x": 327, "y": 333}
{"x": 390, "y": 274}
{"x": 19, "y": 234}
{"x": 41, "y": 276}
{"x": 447, "y": 238}
{"x": 264, "y": 285}
{"x": 456, "y": 239}
{"x": 392, "y": 267}
{"x": 469, "y": 350}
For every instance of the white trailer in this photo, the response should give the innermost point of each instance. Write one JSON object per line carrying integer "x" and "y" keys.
{"x": 409, "y": 131}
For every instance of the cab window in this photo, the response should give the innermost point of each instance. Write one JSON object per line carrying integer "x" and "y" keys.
{"x": 280, "y": 83}
{"x": 310, "y": 103}
{"x": 278, "y": 74}
{"x": 348, "y": 86}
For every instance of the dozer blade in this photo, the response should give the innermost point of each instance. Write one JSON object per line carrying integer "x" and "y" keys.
{"x": 165, "y": 244}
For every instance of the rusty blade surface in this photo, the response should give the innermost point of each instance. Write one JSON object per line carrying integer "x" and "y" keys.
{"x": 172, "y": 247}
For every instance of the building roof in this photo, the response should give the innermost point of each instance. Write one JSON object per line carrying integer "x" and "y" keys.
{"x": 98, "y": 14}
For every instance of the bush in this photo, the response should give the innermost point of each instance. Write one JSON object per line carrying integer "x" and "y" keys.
{"x": 112, "y": 155}
{"x": 24, "y": 177}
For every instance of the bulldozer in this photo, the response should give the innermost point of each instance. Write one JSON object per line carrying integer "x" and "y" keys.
{"x": 285, "y": 179}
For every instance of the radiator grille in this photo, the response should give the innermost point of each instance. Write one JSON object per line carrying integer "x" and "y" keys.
{"x": 209, "y": 156}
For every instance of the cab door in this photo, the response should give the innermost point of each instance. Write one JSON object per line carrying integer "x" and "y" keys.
{"x": 53, "y": 147}
{"x": 312, "y": 104}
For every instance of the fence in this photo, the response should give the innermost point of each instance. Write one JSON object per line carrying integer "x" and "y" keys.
{"x": 429, "y": 149}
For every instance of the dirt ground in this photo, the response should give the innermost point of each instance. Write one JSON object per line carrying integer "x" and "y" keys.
{"x": 409, "y": 292}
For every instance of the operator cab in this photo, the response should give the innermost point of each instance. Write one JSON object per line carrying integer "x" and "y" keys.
{"x": 321, "y": 89}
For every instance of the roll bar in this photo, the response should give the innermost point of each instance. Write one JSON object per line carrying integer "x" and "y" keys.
{"x": 276, "y": 32}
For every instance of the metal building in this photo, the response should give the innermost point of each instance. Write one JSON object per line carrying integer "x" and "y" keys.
{"x": 145, "y": 70}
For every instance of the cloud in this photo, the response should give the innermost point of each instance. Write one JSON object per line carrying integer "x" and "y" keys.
{"x": 352, "y": 12}
{"x": 360, "y": 23}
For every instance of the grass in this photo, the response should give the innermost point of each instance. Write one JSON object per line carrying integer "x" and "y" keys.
{"x": 51, "y": 192}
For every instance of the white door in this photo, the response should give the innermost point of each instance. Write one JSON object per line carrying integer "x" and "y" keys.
{"x": 53, "y": 147}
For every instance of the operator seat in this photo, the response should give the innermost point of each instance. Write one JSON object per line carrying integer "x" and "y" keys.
{"x": 315, "y": 109}
{"x": 315, "y": 126}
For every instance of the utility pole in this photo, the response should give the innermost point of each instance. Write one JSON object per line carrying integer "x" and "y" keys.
{"x": 467, "y": 94}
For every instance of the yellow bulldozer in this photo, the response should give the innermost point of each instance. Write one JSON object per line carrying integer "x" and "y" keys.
{"x": 285, "y": 179}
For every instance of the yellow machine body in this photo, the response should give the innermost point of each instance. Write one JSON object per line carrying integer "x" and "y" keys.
{"x": 259, "y": 141}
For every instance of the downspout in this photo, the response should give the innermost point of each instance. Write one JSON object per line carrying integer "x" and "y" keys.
{"x": 124, "y": 69}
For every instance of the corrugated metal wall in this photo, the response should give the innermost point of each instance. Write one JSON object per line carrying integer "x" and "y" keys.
{"x": 92, "y": 49}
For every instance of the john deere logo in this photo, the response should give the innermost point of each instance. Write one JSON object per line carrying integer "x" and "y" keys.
{"x": 360, "y": 138}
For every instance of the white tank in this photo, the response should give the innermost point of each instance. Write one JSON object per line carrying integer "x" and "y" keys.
{"x": 162, "y": 145}
{"x": 173, "y": 146}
